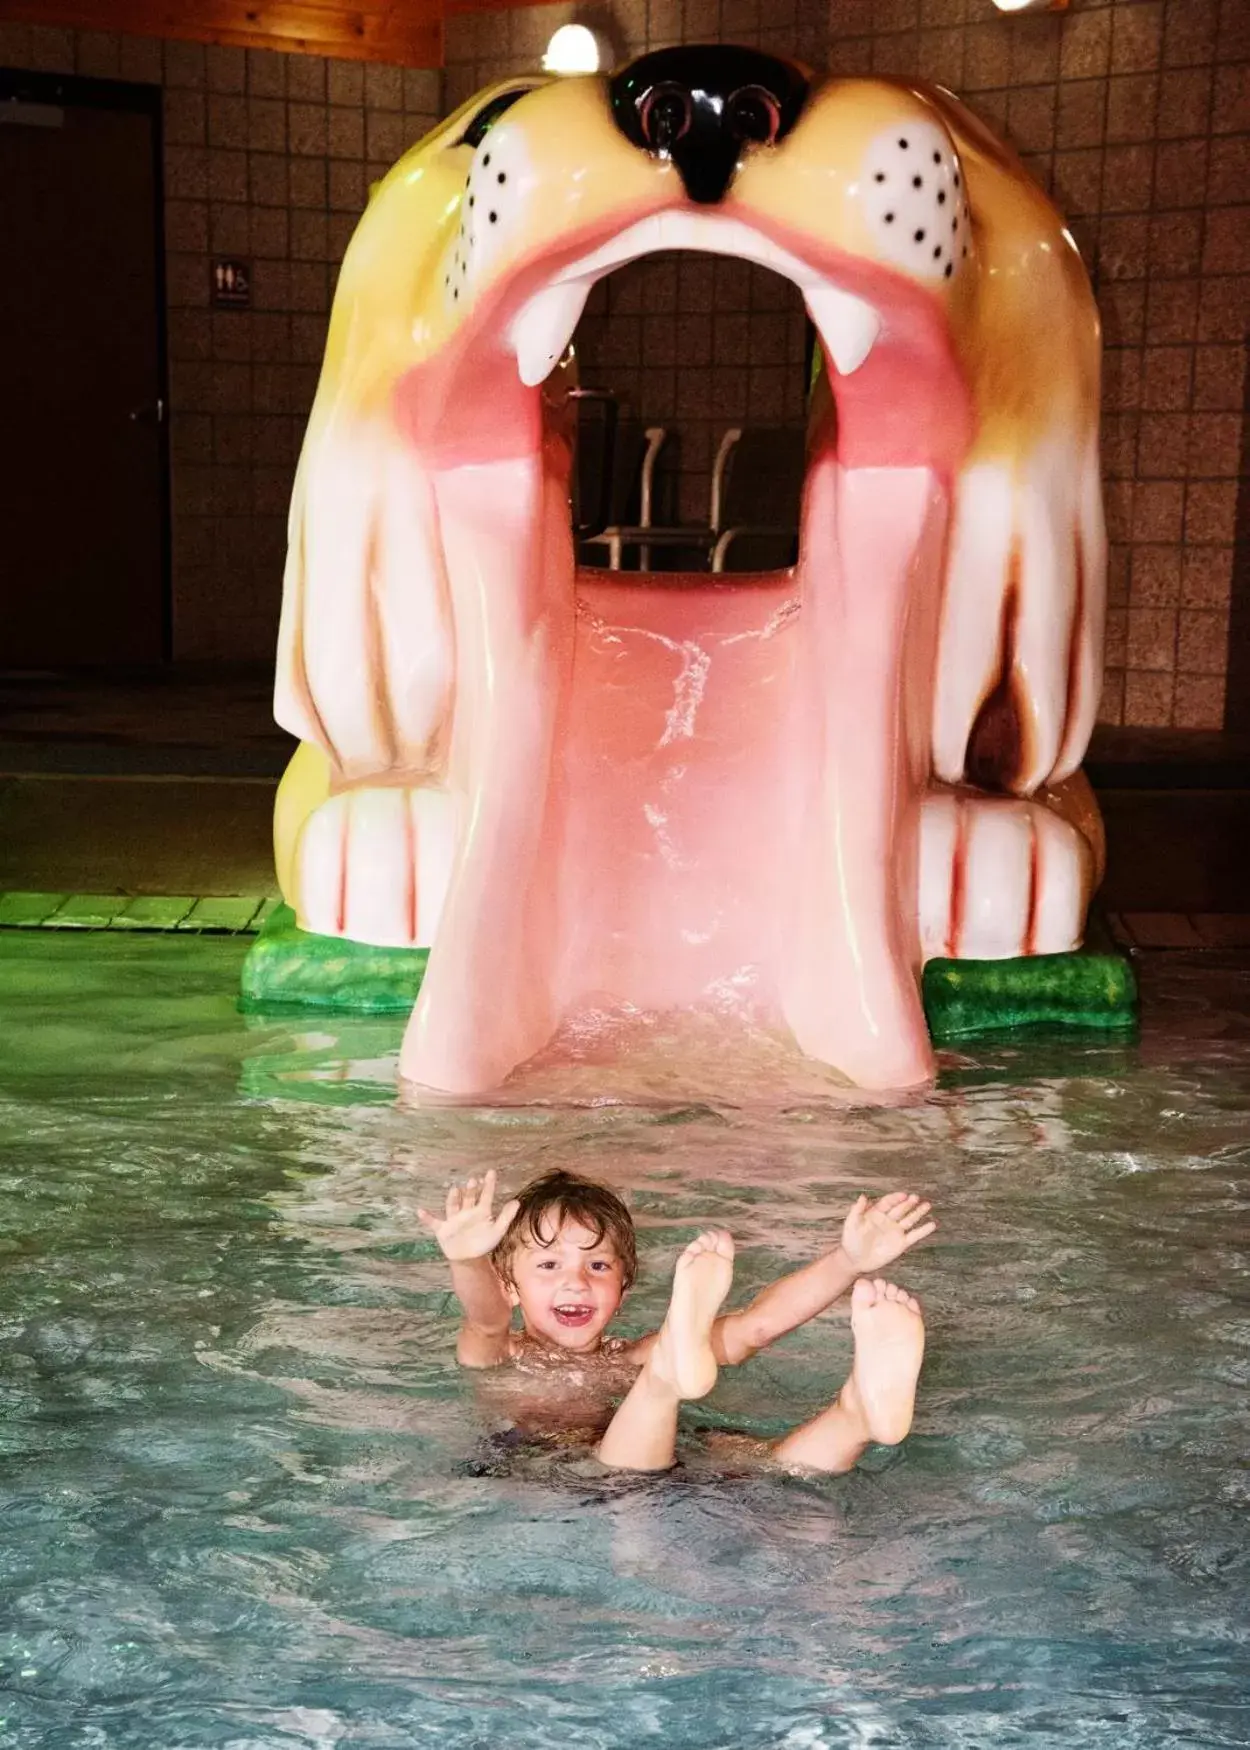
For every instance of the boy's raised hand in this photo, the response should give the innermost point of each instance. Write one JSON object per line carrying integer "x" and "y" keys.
{"x": 468, "y": 1229}
{"x": 874, "y": 1234}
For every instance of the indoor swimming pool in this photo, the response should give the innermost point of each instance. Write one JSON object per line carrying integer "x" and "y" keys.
{"x": 242, "y": 1502}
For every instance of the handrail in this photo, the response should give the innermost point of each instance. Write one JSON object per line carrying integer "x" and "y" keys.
{"x": 720, "y": 474}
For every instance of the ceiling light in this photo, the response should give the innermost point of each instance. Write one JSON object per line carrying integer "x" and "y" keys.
{"x": 573, "y": 49}
{"x": 1031, "y": 5}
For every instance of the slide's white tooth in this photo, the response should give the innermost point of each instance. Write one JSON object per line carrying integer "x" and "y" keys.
{"x": 541, "y": 333}
{"x": 848, "y": 326}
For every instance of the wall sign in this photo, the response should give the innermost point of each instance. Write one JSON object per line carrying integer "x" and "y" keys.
{"x": 231, "y": 284}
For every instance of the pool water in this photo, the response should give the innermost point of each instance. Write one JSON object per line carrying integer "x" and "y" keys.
{"x": 237, "y": 1500}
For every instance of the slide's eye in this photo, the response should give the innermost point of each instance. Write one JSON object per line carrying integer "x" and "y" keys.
{"x": 665, "y": 113}
{"x": 753, "y": 115}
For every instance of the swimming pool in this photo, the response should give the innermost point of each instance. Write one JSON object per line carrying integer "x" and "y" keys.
{"x": 235, "y": 1503}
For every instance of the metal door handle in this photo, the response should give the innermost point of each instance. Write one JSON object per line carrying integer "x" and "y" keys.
{"x": 153, "y": 411}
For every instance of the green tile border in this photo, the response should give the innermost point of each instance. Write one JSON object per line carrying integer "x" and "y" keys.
{"x": 154, "y": 912}
{"x": 228, "y": 915}
{"x": 86, "y": 911}
{"x": 241, "y": 915}
{"x": 27, "y": 911}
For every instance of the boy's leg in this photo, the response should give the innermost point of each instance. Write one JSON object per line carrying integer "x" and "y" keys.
{"x": 877, "y": 1400}
{"x": 642, "y": 1434}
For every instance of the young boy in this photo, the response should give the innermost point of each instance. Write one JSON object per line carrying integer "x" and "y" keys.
{"x": 564, "y": 1253}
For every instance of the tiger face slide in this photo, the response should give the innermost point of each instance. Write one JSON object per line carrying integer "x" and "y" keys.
{"x": 578, "y": 786}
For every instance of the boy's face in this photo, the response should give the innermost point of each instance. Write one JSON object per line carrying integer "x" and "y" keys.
{"x": 569, "y": 1289}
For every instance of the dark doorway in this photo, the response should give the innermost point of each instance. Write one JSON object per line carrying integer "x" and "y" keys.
{"x": 84, "y": 481}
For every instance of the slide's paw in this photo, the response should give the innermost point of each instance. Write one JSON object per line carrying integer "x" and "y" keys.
{"x": 999, "y": 878}
{"x": 373, "y": 864}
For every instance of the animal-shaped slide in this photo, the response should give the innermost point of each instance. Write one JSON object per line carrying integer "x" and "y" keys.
{"x": 797, "y": 786}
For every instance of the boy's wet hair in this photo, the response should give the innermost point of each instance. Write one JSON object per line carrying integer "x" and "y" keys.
{"x": 556, "y": 1197}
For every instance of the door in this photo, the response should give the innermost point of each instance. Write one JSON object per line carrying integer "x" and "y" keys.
{"x": 83, "y": 466}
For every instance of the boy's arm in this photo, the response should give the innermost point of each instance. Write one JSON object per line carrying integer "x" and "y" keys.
{"x": 487, "y": 1323}
{"x": 873, "y": 1235}
{"x": 467, "y": 1235}
{"x": 781, "y": 1307}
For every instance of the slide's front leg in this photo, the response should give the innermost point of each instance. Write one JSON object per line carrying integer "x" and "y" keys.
{"x": 364, "y": 823}
{"x": 365, "y": 646}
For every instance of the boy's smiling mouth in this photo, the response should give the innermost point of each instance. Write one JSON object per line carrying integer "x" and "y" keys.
{"x": 573, "y": 1314}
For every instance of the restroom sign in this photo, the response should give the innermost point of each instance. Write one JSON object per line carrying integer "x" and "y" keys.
{"x": 231, "y": 283}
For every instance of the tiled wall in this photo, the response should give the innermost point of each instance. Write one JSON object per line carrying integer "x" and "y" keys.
{"x": 649, "y": 333}
{"x": 1136, "y": 115}
{"x": 267, "y": 156}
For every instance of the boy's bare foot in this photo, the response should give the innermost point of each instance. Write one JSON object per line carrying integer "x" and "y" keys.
{"x": 682, "y": 1357}
{"x": 889, "y": 1347}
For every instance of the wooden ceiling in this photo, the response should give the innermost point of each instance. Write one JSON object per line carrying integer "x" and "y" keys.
{"x": 407, "y": 32}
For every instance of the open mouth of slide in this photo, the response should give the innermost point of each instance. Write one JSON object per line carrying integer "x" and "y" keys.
{"x": 723, "y": 780}
{"x": 900, "y": 395}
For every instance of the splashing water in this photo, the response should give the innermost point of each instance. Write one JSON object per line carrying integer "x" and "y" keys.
{"x": 234, "y": 1504}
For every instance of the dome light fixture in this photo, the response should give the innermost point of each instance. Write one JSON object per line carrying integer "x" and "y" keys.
{"x": 1031, "y": 5}
{"x": 572, "y": 49}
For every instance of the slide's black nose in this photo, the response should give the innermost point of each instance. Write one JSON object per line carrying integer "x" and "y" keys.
{"x": 702, "y": 105}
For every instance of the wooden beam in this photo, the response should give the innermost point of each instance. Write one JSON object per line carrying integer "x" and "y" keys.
{"x": 404, "y": 32}
{"x": 460, "y": 7}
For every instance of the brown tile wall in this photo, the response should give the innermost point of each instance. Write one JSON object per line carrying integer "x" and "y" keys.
{"x": 1135, "y": 114}
{"x": 267, "y": 156}
{"x": 688, "y": 342}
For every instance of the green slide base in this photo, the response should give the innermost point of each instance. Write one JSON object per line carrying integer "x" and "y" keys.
{"x": 290, "y": 968}
{"x": 964, "y": 999}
